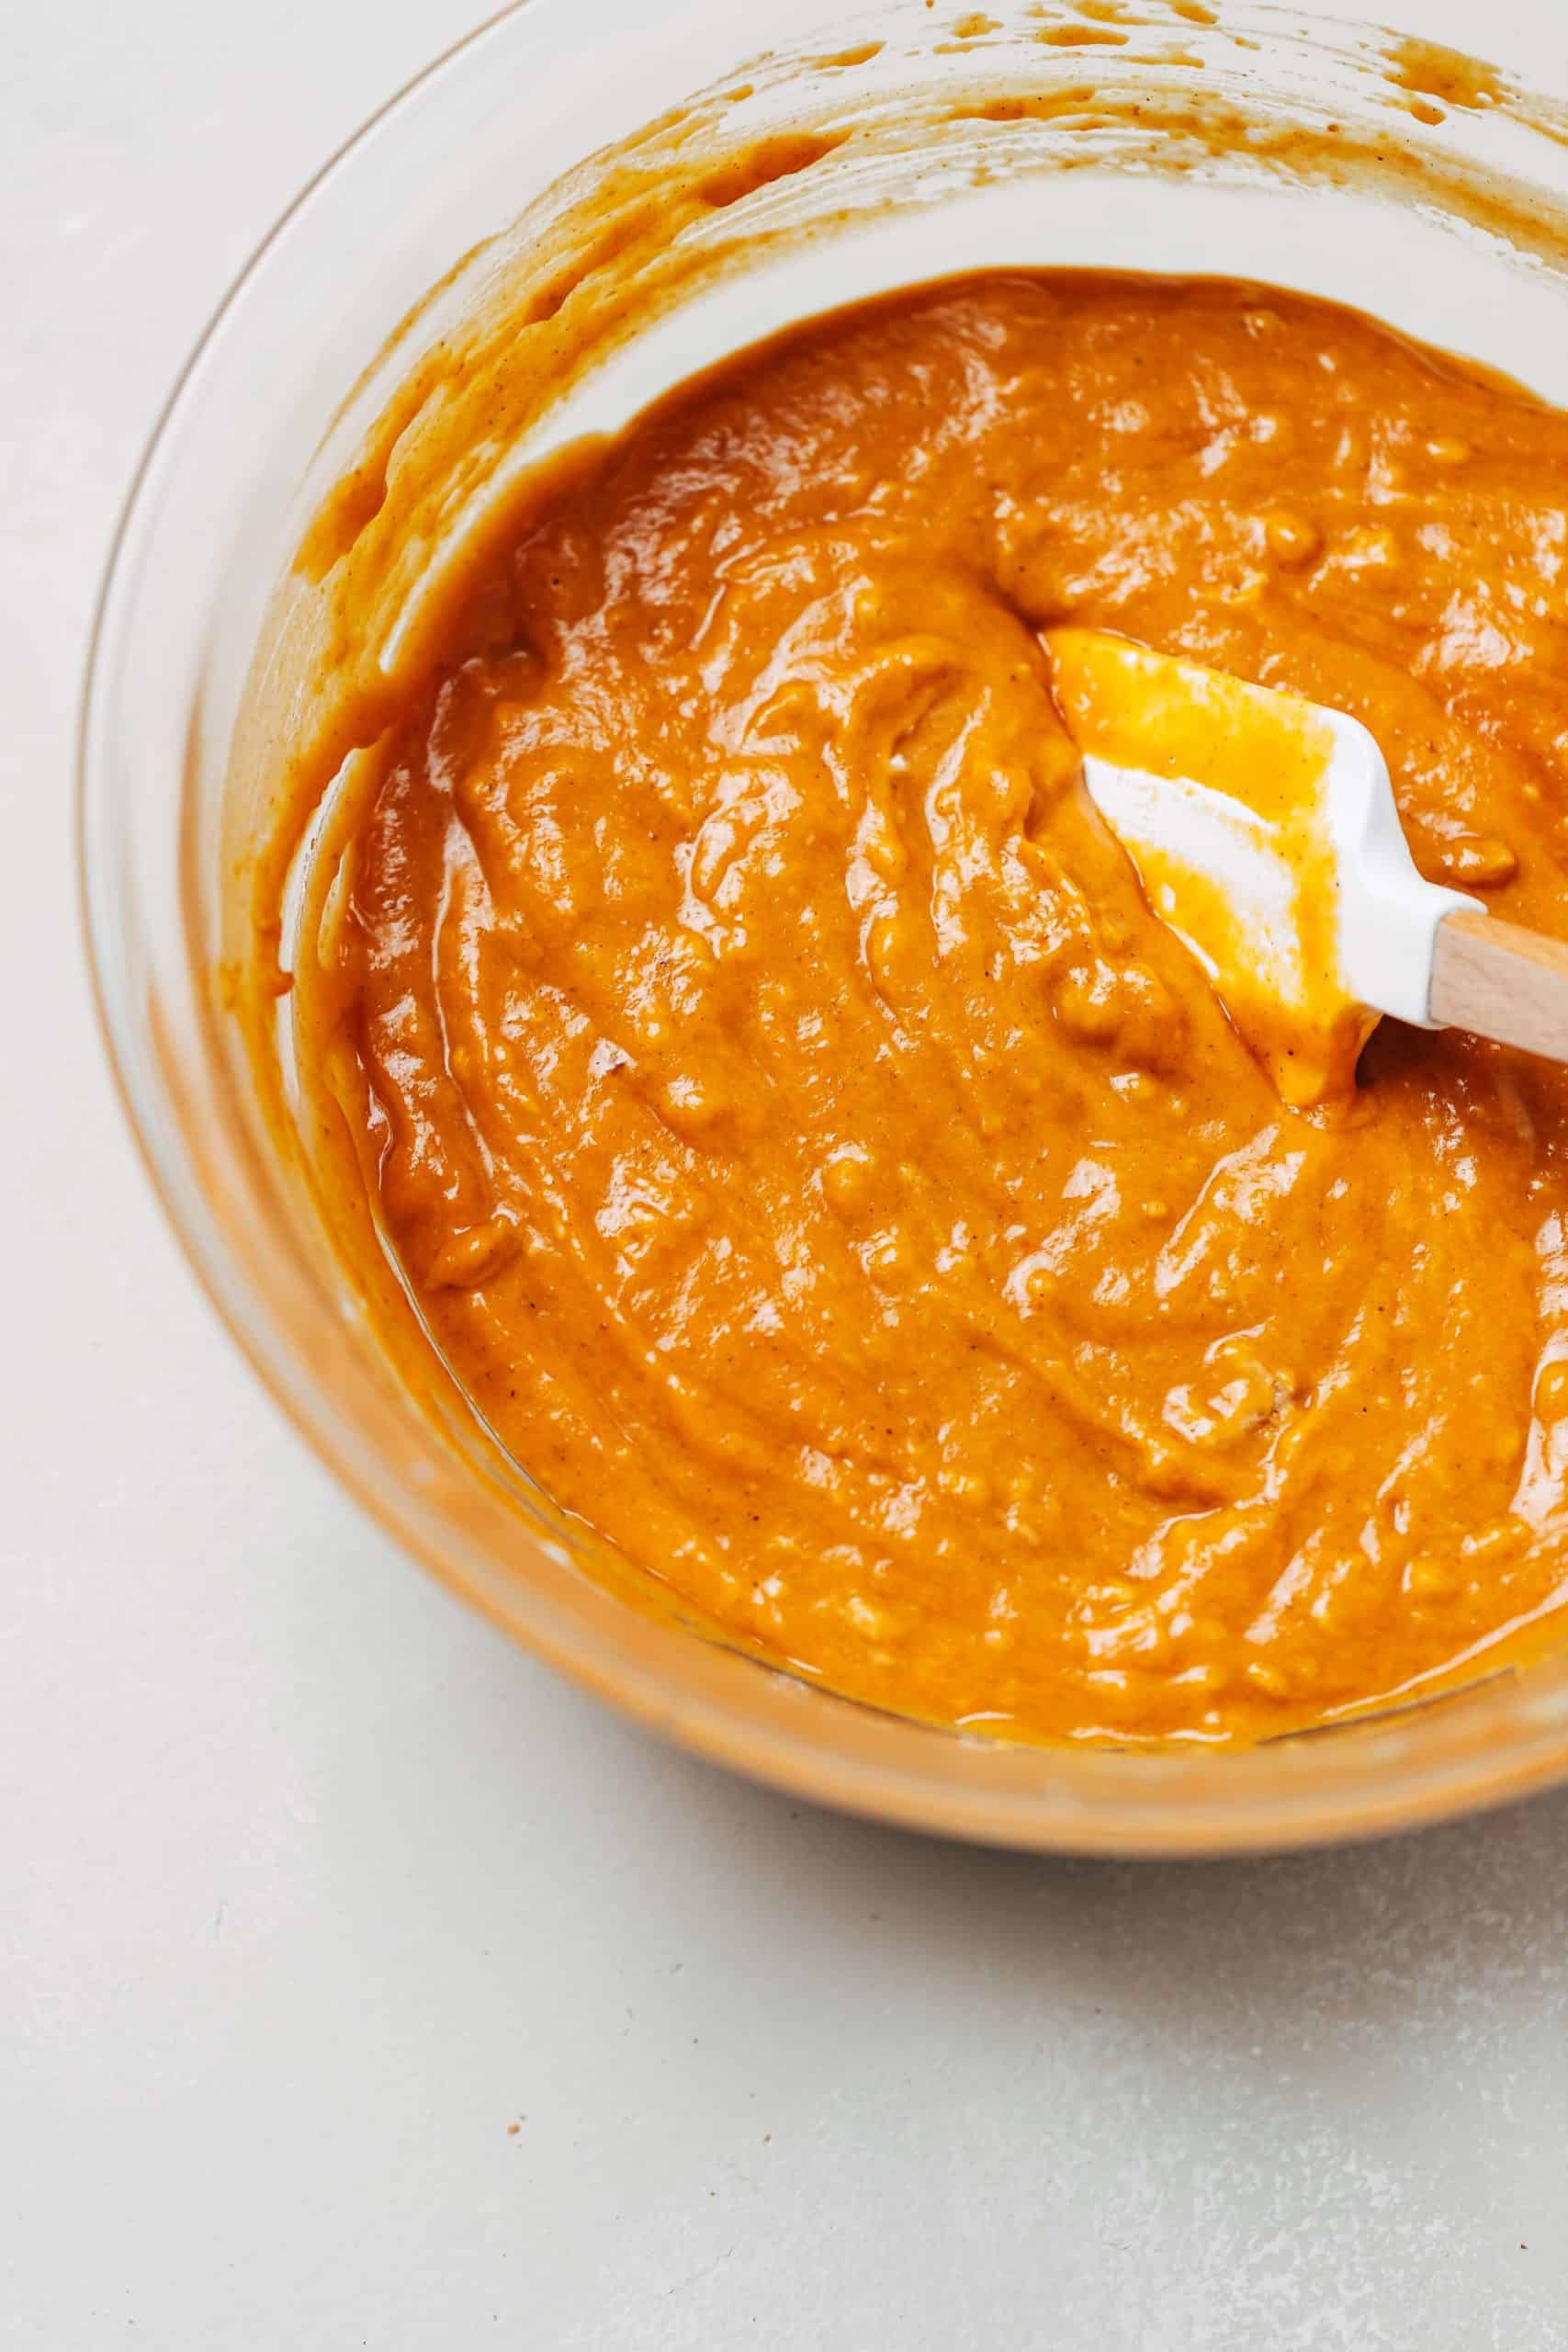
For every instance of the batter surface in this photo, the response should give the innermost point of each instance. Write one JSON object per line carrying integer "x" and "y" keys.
{"x": 825, "y": 1173}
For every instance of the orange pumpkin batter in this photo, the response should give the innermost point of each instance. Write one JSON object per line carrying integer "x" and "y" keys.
{"x": 825, "y": 1173}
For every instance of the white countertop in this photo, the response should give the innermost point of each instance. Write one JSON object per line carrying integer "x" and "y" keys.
{"x": 312, "y": 1888}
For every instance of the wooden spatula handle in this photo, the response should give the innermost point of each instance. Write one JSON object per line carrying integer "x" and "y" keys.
{"x": 1499, "y": 980}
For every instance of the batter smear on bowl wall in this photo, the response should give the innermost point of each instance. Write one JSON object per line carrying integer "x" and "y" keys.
{"x": 821, "y": 1169}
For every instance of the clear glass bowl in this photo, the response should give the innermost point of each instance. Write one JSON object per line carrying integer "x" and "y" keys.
{"x": 1238, "y": 139}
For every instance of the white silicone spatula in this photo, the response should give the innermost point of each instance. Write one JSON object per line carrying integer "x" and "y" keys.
{"x": 1264, "y": 831}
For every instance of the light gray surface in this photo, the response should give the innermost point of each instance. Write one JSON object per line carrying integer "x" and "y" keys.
{"x": 311, "y": 1887}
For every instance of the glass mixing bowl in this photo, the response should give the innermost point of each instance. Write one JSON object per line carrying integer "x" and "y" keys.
{"x": 1156, "y": 134}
